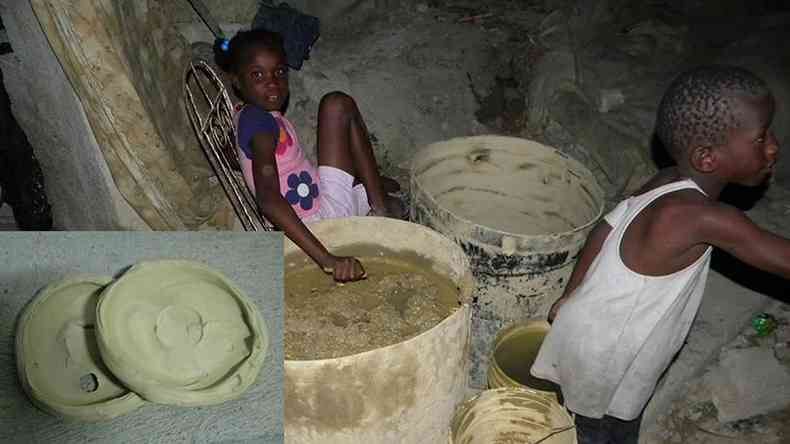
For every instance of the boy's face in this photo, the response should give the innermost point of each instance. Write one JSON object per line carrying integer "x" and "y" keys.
{"x": 262, "y": 79}
{"x": 749, "y": 156}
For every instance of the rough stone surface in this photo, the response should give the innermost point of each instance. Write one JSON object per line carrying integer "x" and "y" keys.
{"x": 410, "y": 89}
{"x": 241, "y": 11}
{"x": 331, "y": 13}
{"x": 422, "y": 72}
{"x": 749, "y": 382}
{"x": 726, "y": 308}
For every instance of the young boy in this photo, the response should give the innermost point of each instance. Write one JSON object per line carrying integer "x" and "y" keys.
{"x": 640, "y": 277}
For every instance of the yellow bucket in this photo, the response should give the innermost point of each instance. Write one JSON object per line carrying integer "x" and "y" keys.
{"x": 514, "y": 352}
{"x": 511, "y": 415}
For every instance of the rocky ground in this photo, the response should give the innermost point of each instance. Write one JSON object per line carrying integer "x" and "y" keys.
{"x": 742, "y": 397}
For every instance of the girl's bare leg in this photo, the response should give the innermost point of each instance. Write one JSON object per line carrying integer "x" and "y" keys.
{"x": 343, "y": 143}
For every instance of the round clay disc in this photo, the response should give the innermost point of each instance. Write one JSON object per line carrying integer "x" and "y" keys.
{"x": 58, "y": 359}
{"x": 178, "y": 332}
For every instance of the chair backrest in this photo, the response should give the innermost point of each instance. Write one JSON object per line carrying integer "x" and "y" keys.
{"x": 211, "y": 113}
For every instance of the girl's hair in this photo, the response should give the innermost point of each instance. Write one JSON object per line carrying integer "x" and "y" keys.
{"x": 230, "y": 56}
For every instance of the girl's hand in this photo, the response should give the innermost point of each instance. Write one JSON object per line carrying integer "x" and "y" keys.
{"x": 345, "y": 269}
{"x": 555, "y": 308}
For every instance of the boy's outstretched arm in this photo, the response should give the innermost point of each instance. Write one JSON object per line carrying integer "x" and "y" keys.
{"x": 731, "y": 230}
{"x": 279, "y": 212}
{"x": 589, "y": 252}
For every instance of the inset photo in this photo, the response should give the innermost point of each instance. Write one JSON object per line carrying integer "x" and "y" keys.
{"x": 141, "y": 337}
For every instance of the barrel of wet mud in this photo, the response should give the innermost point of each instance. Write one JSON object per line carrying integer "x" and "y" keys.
{"x": 514, "y": 352}
{"x": 510, "y": 415}
{"x": 520, "y": 210}
{"x": 406, "y": 392}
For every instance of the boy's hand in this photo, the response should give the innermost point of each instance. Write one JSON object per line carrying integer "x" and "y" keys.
{"x": 555, "y": 308}
{"x": 345, "y": 269}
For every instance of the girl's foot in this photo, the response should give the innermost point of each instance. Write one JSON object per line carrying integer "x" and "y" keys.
{"x": 389, "y": 185}
{"x": 393, "y": 208}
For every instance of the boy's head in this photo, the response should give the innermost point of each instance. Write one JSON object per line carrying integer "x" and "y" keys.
{"x": 257, "y": 66}
{"x": 706, "y": 106}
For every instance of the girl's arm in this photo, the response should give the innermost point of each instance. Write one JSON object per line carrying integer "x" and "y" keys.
{"x": 279, "y": 212}
{"x": 588, "y": 254}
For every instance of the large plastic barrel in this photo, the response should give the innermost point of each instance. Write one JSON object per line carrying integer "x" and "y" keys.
{"x": 520, "y": 210}
{"x": 403, "y": 393}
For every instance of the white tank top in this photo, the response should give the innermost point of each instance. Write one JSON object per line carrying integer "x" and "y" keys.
{"x": 619, "y": 330}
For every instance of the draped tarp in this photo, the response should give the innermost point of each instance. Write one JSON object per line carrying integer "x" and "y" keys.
{"x": 125, "y": 61}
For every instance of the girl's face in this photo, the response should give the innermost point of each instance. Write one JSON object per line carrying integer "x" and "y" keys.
{"x": 262, "y": 79}
{"x": 752, "y": 150}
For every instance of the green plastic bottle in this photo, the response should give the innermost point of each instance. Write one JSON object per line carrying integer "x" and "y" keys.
{"x": 764, "y": 324}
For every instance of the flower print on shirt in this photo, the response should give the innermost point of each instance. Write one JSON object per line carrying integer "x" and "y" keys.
{"x": 284, "y": 140}
{"x": 302, "y": 190}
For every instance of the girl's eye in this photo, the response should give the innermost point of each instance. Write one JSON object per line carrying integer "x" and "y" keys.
{"x": 256, "y": 75}
{"x": 280, "y": 73}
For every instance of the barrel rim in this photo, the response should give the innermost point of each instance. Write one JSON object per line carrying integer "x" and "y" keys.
{"x": 453, "y": 216}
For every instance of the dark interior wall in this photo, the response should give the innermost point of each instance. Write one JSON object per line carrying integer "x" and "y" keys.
{"x": 21, "y": 179}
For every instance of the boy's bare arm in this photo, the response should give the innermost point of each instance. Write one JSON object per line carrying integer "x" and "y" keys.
{"x": 589, "y": 252}
{"x": 730, "y": 229}
{"x": 279, "y": 212}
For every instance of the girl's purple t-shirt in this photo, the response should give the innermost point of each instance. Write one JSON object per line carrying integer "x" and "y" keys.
{"x": 254, "y": 120}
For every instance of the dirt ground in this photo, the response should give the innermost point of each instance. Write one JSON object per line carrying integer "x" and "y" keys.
{"x": 397, "y": 301}
{"x": 692, "y": 419}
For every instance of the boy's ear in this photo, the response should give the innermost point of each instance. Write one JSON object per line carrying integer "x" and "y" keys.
{"x": 704, "y": 158}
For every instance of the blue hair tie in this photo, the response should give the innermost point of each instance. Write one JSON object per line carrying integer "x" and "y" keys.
{"x": 224, "y": 45}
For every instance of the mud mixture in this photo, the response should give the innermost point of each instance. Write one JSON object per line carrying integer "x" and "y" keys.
{"x": 398, "y": 300}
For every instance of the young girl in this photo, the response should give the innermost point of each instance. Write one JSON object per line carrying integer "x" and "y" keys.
{"x": 288, "y": 188}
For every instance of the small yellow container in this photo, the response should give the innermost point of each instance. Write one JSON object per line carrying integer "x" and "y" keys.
{"x": 514, "y": 352}
{"x": 511, "y": 415}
